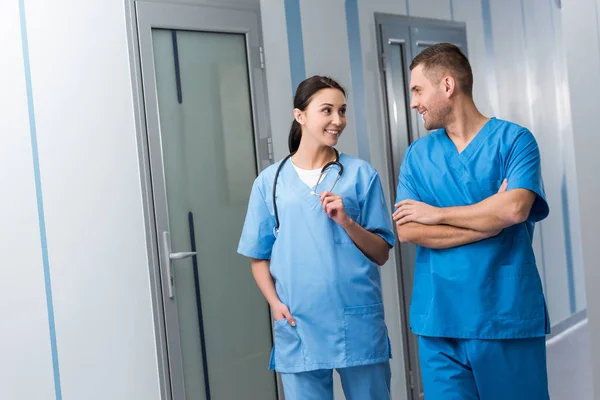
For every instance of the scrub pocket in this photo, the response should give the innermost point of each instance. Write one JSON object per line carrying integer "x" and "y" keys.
{"x": 288, "y": 346}
{"x": 366, "y": 333}
{"x": 339, "y": 234}
{"x": 521, "y": 297}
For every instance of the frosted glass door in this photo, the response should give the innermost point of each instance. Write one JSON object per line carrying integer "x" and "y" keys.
{"x": 208, "y": 150}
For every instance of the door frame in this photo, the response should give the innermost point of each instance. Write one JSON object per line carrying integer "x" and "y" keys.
{"x": 172, "y": 388}
{"x": 406, "y": 130}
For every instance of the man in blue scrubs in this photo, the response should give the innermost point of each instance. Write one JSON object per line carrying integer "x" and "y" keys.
{"x": 468, "y": 196}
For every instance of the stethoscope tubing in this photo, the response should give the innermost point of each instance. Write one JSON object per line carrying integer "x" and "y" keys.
{"x": 329, "y": 164}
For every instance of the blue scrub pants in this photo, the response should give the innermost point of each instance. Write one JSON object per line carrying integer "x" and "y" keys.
{"x": 366, "y": 382}
{"x": 465, "y": 369}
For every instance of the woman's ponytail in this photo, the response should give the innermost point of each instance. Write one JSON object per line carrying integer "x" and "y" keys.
{"x": 295, "y": 136}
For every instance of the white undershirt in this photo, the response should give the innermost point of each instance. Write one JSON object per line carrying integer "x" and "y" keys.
{"x": 308, "y": 176}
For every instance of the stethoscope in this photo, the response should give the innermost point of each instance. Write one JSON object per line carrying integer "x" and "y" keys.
{"x": 314, "y": 191}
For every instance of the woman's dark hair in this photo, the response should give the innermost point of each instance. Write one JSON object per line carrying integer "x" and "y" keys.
{"x": 304, "y": 93}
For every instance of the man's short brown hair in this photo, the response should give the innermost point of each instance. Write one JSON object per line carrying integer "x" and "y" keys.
{"x": 446, "y": 58}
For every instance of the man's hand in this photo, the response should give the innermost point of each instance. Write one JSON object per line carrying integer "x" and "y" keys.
{"x": 416, "y": 211}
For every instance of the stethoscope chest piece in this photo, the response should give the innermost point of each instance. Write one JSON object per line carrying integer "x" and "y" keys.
{"x": 314, "y": 191}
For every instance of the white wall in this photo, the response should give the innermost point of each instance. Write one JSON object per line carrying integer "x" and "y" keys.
{"x": 90, "y": 192}
{"x": 26, "y": 371}
{"x": 582, "y": 43}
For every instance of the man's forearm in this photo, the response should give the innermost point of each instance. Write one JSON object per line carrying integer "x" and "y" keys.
{"x": 492, "y": 214}
{"x": 439, "y": 236}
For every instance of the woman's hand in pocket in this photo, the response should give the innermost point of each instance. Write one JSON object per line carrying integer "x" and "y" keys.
{"x": 280, "y": 311}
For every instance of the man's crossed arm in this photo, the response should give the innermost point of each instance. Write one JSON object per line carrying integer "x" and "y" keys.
{"x": 441, "y": 228}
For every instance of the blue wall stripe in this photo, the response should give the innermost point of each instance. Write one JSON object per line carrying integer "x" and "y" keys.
{"x": 40, "y": 203}
{"x": 358, "y": 80}
{"x": 543, "y": 261}
{"x": 451, "y": 10}
{"x": 407, "y": 7}
{"x": 293, "y": 21}
{"x": 568, "y": 247}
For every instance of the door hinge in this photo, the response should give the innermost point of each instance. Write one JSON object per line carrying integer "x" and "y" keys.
{"x": 383, "y": 60}
{"x": 261, "y": 55}
{"x": 270, "y": 148}
{"x": 411, "y": 378}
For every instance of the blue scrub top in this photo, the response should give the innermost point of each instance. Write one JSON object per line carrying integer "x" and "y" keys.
{"x": 490, "y": 289}
{"x": 331, "y": 288}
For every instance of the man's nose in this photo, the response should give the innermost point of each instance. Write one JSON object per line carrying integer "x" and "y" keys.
{"x": 413, "y": 103}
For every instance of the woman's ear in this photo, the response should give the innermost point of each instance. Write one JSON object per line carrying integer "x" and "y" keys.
{"x": 299, "y": 116}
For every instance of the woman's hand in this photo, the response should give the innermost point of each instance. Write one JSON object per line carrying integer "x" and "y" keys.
{"x": 333, "y": 206}
{"x": 280, "y": 311}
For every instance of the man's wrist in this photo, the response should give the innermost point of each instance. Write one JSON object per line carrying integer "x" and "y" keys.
{"x": 442, "y": 216}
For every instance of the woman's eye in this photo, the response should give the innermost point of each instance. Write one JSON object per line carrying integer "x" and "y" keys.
{"x": 343, "y": 111}
{"x": 327, "y": 110}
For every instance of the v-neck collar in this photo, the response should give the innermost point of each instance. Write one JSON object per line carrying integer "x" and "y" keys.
{"x": 298, "y": 186}
{"x": 473, "y": 145}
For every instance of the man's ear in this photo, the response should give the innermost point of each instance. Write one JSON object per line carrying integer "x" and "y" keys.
{"x": 449, "y": 85}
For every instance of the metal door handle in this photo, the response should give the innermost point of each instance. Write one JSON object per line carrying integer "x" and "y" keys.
{"x": 182, "y": 255}
{"x": 168, "y": 257}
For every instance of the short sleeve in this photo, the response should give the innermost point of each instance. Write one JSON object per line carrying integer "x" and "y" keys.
{"x": 257, "y": 236}
{"x": 374, "y": 213}
{"x": 407, "y": 189}
{"x": 524, "y": 171}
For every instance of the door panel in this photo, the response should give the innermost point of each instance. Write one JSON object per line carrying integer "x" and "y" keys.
{"x": 201, "y": 81}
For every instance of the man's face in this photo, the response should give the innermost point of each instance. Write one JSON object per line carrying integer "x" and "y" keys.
{"x": 429, "y": 98}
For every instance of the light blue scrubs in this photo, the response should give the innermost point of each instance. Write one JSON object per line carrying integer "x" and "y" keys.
{"x": 489, "y": 289}
{"x": 331, "y": 288}
{"x": 366, "y": 382}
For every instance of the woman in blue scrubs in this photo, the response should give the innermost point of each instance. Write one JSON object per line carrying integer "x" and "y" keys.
{"x": 316, "y": 250}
